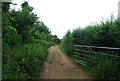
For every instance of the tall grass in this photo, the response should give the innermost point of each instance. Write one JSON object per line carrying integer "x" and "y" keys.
{"x": 24, "y": 61}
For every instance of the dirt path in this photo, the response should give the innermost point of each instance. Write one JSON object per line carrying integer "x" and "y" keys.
{"x": 58, "y": 66}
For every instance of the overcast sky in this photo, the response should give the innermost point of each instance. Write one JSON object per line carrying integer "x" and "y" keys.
{"x": 63, "y": 15}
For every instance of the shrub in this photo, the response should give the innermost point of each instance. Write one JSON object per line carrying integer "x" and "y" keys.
{"x": 25, "y": 61}
{"x": 106, "y": 34}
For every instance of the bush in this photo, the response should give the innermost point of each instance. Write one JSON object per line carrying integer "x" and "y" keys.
{"x": 106, "y": 34}
{"x": 66, "y": 45}
{"x": 106, "y": 69}
{"x": 25, "y": 61}
{"x": 11, "y": 36}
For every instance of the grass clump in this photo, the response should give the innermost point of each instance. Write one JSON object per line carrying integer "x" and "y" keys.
{"x": 25, "y": 61}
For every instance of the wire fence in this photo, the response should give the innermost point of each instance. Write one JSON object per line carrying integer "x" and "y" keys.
{"x": 89, "y": 56}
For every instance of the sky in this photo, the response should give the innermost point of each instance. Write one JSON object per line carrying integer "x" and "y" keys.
{"x": 63, "y": 15}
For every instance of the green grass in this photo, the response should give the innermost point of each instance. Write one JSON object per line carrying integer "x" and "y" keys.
{"x": 24, "y": 61}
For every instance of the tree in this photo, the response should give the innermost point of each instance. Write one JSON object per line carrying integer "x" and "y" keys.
{"x": 24, "y": 21}
{"x": 9, "y": 33}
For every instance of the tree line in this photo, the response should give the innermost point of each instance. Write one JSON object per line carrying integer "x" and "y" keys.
{"x": 23, "y": 26}
{"x": 25, "y": 42}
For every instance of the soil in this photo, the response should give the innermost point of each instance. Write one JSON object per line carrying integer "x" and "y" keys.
{"x": 59, "y": 66}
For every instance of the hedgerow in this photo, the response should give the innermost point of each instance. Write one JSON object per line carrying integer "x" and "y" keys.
{"x": 104, "y": 34}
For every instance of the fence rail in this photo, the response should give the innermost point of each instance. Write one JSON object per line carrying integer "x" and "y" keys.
{"x": 97, "y": 53}
{"x": 81, "y": 52}
{"x": 109, "y": 48}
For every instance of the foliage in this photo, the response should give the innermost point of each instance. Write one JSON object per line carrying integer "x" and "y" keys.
{"x": 11, "y": 36}
{"x": 25, "y": 42}
{"x": 25, "y": 61}
{"x": 23, "y": 21}
{"x": 66, "y": 44}
{"x": 106, "y": 34}
{"x": 107, "y": 68}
